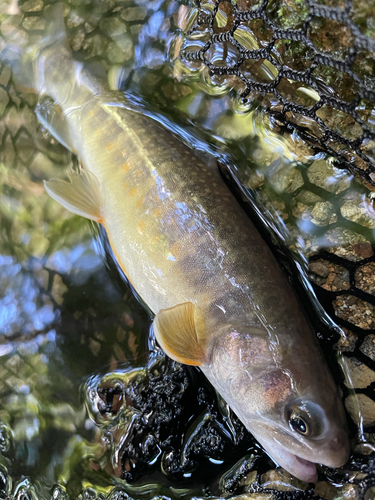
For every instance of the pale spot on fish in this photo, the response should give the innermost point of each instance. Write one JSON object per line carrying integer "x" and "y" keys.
{"x": 133, "y": 191}
{"x": 141, "y": 226}
{"x": 154, "y": 240}
{"x": 110, "y": 146}
{"x": 125, "y": 167}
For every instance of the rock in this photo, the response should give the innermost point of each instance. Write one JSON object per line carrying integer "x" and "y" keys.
{"x": 134, "y": 14}
{"x": 364, "y": 249}
{"x": 323, "y": 174}
{"x": 325, "y": 490}
{"x": 32, "y": 6}
{"x": 4, "y": 100}
{"x": 285, "y": 178}
{"x": 5, "y": 77}
{"x": 32, "y": 23}
{"x": 358, "y": 375}
{"x": 368, "y": 347}
{"x": 355, "y": 210}
{"x": 112, "y": 26}
{"x": 355, "y": 310}
{"x": 280, "y": 480}
{"x": 361, "y": 406}
{"x": 347, "y": 341}
{"x": 370, "y": 493}
{"x": 339, "y": 241}
{"x": 349, "y": 492}
{"x": 365, "y": 278}
{"x": 254, "y": 496}
{"x": 241, "y": 473}
{"x": 329, "y": 276}
{"x": 323, "y": 214}
{"x": 121, "y": 51}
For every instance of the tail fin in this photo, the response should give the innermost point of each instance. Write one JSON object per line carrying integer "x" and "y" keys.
{"x": 23, "y": 51}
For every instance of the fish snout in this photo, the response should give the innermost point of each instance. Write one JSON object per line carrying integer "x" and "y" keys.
{"x": 338, "y": 450}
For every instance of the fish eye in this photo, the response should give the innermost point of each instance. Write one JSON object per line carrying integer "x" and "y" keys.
{"x": 307, "y": 419}
{"x": 299, "y": 423}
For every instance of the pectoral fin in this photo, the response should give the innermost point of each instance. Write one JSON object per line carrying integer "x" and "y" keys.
{"x": 175, "y": 330}
{"x": 53, "y": 119}
{"x": 81, "y": 195}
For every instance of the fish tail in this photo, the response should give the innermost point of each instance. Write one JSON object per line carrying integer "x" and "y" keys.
{"x": 25, "y": 52}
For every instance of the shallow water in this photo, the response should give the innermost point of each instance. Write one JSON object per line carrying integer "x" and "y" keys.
{"x": 75, "y": 346}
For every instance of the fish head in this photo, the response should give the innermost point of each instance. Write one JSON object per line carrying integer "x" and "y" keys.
{"x": 289, "y": 402}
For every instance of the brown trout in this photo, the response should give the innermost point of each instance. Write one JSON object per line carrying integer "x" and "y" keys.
{"x": 191, "y": 253}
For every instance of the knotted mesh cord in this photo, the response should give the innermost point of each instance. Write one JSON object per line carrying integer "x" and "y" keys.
{"x": 348, "y": 104}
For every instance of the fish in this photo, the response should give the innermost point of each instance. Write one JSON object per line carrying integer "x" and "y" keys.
{"x": 220, "y": 299}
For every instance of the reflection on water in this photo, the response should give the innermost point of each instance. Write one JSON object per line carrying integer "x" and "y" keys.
{"x": 84, "y": 404}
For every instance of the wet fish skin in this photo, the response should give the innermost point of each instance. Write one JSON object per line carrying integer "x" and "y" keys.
{"x": 197, "y": 261}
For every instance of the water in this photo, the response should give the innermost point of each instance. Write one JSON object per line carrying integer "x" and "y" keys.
{"x": 75, "y": 345}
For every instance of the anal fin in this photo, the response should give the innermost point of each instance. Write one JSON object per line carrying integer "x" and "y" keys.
{"x": 81, "y": 195}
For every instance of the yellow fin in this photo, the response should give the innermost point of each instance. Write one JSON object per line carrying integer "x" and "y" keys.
{"x": 176, "y": 333}
{"x": 81, "y": 195}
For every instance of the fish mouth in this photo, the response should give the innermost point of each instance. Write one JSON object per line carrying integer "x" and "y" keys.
{"x": 307, "y": 469}
{"x": 297, "y": 466}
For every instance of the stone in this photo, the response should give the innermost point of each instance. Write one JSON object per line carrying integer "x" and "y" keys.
{"x": 42, "y": 167}
{"x": 347, "y": 341}
{"x": 365, "y": 278}
{"x": 5, "y": 76}
{"x": 32, "y": 23}
{"x": 368, "y": 347}
{"x": 25, "y": 146}
{"x": 134, "y": 14}
{"x": 280, "y": 480}
{"x": 113, "y": 27}
{"x": 355, "y": 209}
{"x": 360, "y": 406}
{"x": 355, "y": 310}
{"x": 323, "y": 174}
{"x": 285, "y": 178}
{"x": 94, "y": 45}
{"x": 254, "y": 496}
{"x": 364, "y": 249}
{"x": 120, "y": 51}
{"x": 370, "y": 493}
{"x": 4, "y": 100}
{"x": 325, "y": 490}
{"x": 357, "y": 375}
{"x": 32, "y": 6}
{"x": 74, "y": 19}
{"x": 323, "y": 214}
{"x": 339, "y": 241}
{"x": 329, "y": 276}
{"x": 7, "y": 153}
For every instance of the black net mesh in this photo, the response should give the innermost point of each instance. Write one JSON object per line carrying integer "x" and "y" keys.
{"x": 310, "y": 65}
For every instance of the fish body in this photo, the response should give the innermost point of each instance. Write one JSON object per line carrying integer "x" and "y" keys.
{"x": 219, "y": 297}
